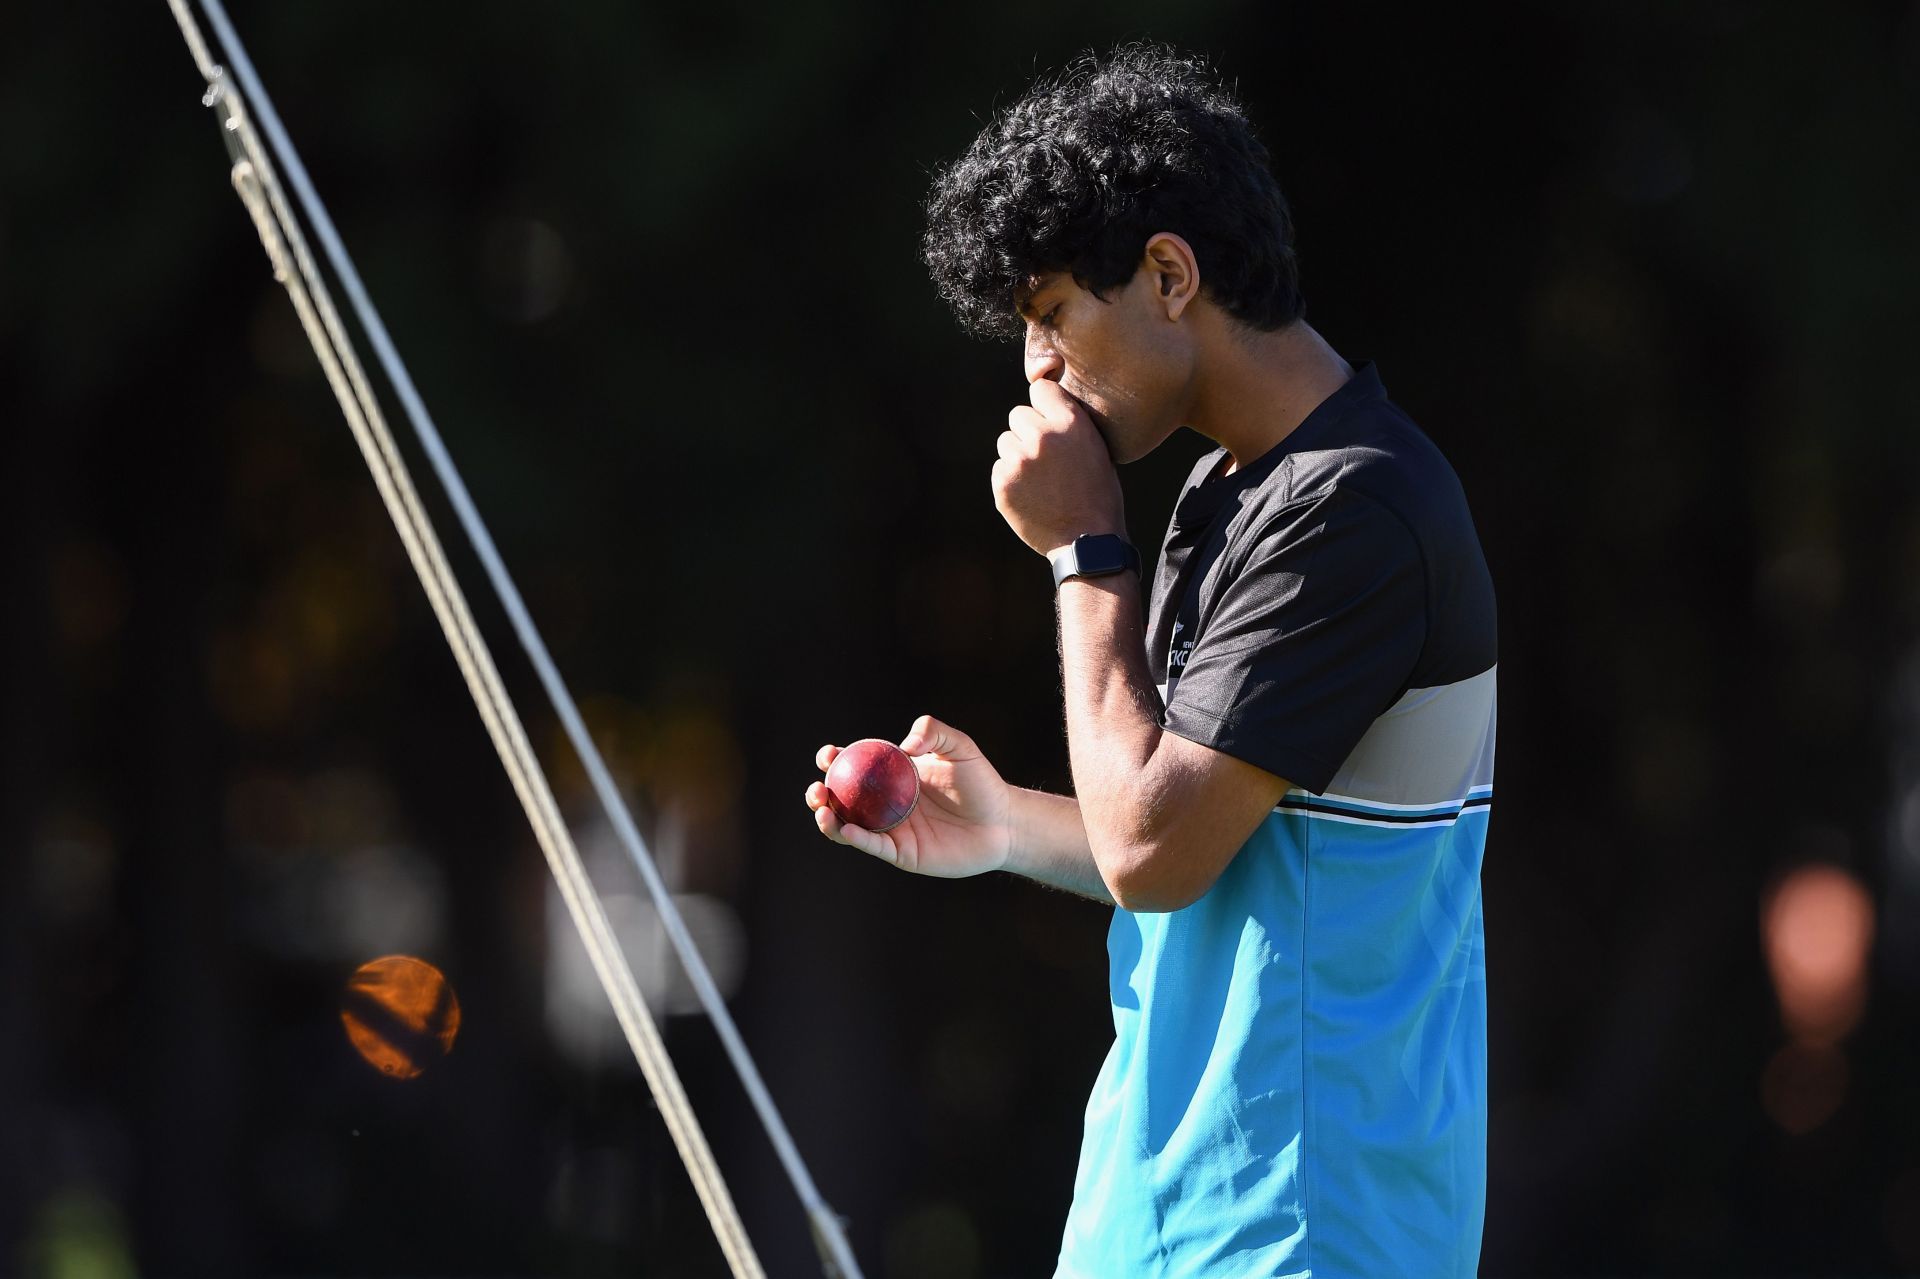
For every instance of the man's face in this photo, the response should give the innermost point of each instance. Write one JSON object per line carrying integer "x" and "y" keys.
{"x": 1120, "y": 357}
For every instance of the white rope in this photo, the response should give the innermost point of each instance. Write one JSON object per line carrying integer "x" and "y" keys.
{"x": 255, "y": 179}
{"x": 502, "y": 723}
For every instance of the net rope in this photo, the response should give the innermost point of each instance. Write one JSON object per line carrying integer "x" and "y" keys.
{"x": 256, "y": 180}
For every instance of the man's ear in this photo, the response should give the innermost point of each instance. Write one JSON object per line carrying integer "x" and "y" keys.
{"x": 1173, "y": 271}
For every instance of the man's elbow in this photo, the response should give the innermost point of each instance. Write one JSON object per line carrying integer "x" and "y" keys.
{"x": 1155, "y": 880}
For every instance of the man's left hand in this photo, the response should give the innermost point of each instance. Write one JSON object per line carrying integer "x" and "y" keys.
{"x": 1055, "y": 479}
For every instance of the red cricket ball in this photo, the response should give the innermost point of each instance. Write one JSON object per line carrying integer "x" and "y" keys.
{"x": 872, "y": 784}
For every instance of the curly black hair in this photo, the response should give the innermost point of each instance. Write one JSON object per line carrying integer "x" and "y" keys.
{"x": 1080, "y": 172}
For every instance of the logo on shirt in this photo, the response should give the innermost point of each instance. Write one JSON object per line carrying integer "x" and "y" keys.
{"x": 1180, "y": 650}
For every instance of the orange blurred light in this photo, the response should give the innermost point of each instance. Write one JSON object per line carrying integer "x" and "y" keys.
{"x": 1817, "y": 927}
{"x": 400, "y": 1014}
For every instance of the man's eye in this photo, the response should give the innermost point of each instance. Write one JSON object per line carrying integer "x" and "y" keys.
{"x": 1046, "y": 321}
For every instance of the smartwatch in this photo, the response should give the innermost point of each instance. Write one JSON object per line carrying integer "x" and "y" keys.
{"x": 1093, "y": 555}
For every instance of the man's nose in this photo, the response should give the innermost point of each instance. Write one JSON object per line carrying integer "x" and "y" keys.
{"x": 1042, "y": 361}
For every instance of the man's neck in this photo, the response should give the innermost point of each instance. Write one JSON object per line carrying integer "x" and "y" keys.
{"x": 1254, "y": 389}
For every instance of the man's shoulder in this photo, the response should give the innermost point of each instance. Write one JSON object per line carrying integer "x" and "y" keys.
{"x": 1373, "y": 448}
{"x": 1373, "y": 460}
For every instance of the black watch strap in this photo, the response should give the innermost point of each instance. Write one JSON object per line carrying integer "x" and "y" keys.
{"x": 1094, "y": 555}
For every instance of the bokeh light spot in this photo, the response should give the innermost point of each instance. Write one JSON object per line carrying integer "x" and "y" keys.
{"x": 1803, "y": 1086}
{"x": 400, "y": 1014}
{"x": 1817, "y": 927}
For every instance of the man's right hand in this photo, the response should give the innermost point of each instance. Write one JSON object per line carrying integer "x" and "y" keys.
{"x": 963, "y": 824}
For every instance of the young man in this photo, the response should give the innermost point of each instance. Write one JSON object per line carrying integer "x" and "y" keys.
{"x": 1282, "y": 780}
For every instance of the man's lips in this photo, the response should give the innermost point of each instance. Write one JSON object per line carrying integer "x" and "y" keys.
{"x": 1099, "y": 419}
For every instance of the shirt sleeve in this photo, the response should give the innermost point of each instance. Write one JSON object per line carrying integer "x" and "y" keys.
{"x": 1312, "y": 637}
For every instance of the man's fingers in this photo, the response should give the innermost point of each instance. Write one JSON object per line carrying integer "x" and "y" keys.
{"x": 873, "y": 845}
{"x": 854, "y": 836}
{"x": 824, "y": 757}
{"x": 1026, "y": 425}
{"x": 1002, "y": 469}
{"x": 929, "y": 736}
{"x": 1052, "y": 402}
{"x": 839, "y": 832}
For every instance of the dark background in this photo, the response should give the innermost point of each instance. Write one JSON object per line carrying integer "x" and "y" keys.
{"x": 1647, "y": 272}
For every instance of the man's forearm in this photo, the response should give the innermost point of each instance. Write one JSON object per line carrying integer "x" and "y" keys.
{"x": 1088, "y": 843}
{"x": 1113, "y": 720}
{"x": 1164, "y": 816}
{"x": 1049, "y": 845}
{"x": 1112, "y": 728}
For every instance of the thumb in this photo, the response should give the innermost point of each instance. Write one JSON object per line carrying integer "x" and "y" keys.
{"x": 929, "y": 736}
{"x": 1052, "y": 401}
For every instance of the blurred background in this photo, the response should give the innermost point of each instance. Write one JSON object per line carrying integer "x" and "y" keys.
{"x": 1647, "y": 273}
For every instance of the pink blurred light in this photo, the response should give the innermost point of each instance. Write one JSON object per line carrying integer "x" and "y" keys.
{"x": 1817, "y": 927}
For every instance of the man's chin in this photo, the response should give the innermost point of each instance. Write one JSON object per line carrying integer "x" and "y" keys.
{"x": 1123, "y": 446}
{"x": 1131, "y": 446}
{"x": 1116, "y": 448}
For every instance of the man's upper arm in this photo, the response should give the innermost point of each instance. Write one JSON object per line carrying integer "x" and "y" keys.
{"x": 1204, "y": 804}
{"x": 1313, "y": 638}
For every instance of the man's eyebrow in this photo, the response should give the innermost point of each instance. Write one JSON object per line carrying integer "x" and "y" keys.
{"x": 1023, "y": 299}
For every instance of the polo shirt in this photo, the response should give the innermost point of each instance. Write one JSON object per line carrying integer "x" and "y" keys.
{"x": 1297, "y": 1083}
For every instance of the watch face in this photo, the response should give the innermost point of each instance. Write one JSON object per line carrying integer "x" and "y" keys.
{"x": 1096, "y": 555}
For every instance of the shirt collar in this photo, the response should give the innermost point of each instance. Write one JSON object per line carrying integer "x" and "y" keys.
{"x": 1199, "y": 504}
